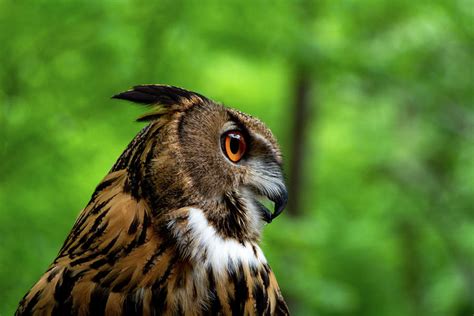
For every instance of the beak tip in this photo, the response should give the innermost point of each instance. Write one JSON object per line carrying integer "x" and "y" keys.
{"x": 280, "y": 203}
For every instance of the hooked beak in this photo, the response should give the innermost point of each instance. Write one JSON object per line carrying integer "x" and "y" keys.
{"x": 280, "y": 203}
{"x": 280, "y": 199}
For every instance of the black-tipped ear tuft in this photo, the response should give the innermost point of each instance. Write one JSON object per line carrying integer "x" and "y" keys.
{"x": 160, "y": 94}
{"x": 163, "y": 99}
{"x": 135, "y": 96}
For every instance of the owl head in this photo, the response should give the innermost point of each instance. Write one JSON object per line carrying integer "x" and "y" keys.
{"x": 198, "y": 153}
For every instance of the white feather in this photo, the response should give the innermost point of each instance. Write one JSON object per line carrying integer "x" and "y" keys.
{"x": 221, "y": 253}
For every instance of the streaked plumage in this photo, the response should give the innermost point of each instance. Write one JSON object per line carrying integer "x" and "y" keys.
{"x": 174, "y": 227}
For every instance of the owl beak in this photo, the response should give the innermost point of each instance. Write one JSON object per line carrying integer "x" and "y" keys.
{"x": 267, "y": 182}
{"x": 280, "y": 199}
{"x": 266, "y": 213}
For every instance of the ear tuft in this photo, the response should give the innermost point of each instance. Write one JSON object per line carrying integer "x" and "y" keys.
{"x": 160, "y": 94}
{"x": 166, "y": 99}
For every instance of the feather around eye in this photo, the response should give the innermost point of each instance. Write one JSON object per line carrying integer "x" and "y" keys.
{"x": 234, "y": 145}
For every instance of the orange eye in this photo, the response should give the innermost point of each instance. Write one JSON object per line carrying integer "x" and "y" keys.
{"x": 234, "y": 145}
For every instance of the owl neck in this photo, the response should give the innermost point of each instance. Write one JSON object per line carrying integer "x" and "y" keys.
{"x": 234, "y": 217}
{"x": 199, "y": 241}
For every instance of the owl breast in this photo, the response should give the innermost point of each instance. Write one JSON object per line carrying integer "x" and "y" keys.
{"x": 225, "y": 274}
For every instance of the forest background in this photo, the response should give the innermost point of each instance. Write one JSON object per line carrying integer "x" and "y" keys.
{"x": 372, "y": 102}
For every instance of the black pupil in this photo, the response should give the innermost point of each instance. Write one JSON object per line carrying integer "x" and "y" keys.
{"x": 234, "y": 143}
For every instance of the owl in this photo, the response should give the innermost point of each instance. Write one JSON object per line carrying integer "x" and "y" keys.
{"x": 174, "y": 227}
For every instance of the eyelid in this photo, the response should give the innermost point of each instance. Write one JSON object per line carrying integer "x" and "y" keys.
{"x": 231, "y": 126}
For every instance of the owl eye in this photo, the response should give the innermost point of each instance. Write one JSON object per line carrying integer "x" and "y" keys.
{"x": 234, "y": 145}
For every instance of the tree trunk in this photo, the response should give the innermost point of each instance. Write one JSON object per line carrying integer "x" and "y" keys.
{"x": 301, "y": 117}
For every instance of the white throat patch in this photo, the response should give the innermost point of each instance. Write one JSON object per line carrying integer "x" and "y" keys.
{"x": 207, "y": 246}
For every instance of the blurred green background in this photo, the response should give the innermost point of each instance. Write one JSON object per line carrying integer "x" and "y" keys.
{"x": 372, "y": 102}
